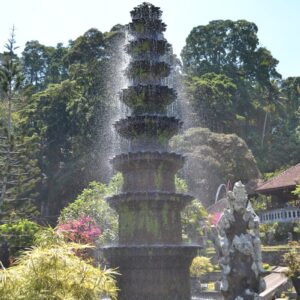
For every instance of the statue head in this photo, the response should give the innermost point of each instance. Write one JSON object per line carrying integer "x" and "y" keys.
{"x": 238, "y": 198}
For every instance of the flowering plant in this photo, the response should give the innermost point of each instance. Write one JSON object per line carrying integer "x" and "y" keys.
{"x": 84, "y": 230}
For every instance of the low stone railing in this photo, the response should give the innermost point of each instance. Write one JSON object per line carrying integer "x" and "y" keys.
{"x": 280, "y": 215}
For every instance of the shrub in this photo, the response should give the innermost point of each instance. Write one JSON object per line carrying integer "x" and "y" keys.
{"x": 84, "y": 230}
{"x": 19, "y": 234}
{"x": 200, "y": 265}
{"x": 193, "y": 219}
{"x": 51, "y": 270}
{"x": 278, "y": 232}
{"x": 91, "y": 204}
{"x": 292, "y": 260}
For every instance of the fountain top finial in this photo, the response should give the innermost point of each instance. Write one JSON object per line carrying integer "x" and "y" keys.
{"x": 146, "y": 10}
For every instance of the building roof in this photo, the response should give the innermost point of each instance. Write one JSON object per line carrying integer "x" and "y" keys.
{"x": 287, "y": 179}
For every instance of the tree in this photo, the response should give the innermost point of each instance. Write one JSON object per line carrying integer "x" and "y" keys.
{"x": 19, "y": 173}
{"x": 231, "y": 48}
{"x": 282, "y": 148}
{"x": 213, "y": 159}
{"x": 72, "y": 117}
{"x": 211, "y": 96}
{"x": 43, "y": 65}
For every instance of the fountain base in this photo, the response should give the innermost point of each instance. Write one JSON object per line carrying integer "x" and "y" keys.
{"x": 152, "y": 272}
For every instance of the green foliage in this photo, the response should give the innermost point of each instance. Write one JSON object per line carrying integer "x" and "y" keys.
{"x": 200, "y": 265}
{"x": 296, "y": 192}
{"x": 20, "y": 174}
{"x": 233, "y": 87}
{"x": 19, "y": 235}
{"x": 180, "y": 185}
{"x": 213, "y": 94}
{"x": 193, "y": 219}
{"x": 278, "y": 232}
{"x": 68, "y": 102}
{"x": 91, "y": 203}
{"x": 43, "y": 65}
{"x": 213, "y": 159}
{"x": 292, "y": 260}
{"x": 53, "y": 271}
{"x": 261, "y": 202}
{"x": 267, "y": 267}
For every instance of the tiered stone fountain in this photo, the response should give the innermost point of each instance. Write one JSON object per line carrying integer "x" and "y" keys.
{"x": 152, "y": 261}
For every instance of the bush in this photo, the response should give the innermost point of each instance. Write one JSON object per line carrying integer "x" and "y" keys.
{"x": 278, "y": 233}
{"x": 292, "y": 260}
{"x": 19, "y": 234}
{"x": 53, "y": 271}
{"x": 193, "y": 219}
{"x": 200, "y": 265}
{"x": 84, "y": 230}
{"x": 91, "y": 204}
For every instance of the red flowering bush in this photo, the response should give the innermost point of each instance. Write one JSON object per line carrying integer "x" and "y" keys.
{"x": 84, "y": 230}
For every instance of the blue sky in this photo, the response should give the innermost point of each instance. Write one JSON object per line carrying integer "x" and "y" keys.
{"x": 53, "y": 21}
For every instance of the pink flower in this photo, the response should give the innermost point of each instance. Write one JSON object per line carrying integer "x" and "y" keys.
{"x": 84, "y": 230}
{"x": 215, "y": 218}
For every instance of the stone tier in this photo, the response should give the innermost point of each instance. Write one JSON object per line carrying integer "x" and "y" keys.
{"x": 150, "y": 48}
{"x": 148, "y": 98}
{"x": 157, "y": 199}
{"x": 147, "y": 72}
{"x": 148, "y": 171}
{"x": 149, "y": 217}
{"x": 147, "y": 28}
{"x": 158, "y": 272}
{"x": 148, "y": 132}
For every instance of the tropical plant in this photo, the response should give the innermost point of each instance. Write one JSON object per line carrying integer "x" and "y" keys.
{"x": 51, "y": 270}
{"x": 91, "y": 204}
{"x": 83, "y": 231}
{"x": 292, "y": 260}
{"x": 296, "y": 192}
{"x": 194, "y": 221}
{"x": 200, "y": 265}
{"x": 19, "y": 235}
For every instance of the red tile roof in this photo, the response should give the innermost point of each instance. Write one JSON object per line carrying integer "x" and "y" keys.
{"x": 286, "y": 179}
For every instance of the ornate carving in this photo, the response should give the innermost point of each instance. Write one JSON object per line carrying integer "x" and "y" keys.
{"x": 239, "y": 248}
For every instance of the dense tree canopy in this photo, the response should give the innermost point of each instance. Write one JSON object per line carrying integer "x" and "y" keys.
{"x": 57, "y": 104}
{"x": 68, "y": 107}
{"x": 233, "y": 85}
{"x": 213, "y": 159}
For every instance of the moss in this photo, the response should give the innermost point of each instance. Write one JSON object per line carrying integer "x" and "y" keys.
{"x": 141, "y": 47}
{"x": 165, "y": 214}
{"x": 139, "y": 27}
{"x": 148, "y": 221}
{"x": 143, "y": 220}
{"x": 126, "y": 221}
{"x": 158, "y": 177}
{"x": 163, "y": 138}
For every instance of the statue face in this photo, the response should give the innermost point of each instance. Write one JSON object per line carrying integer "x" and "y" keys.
{"x": 240, "y": 200}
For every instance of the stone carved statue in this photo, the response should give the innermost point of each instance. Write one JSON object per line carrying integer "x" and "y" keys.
{"x": 239, "y": 249}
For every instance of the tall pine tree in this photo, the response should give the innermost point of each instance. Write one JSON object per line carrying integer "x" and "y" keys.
{"x": 19, "y": 173}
